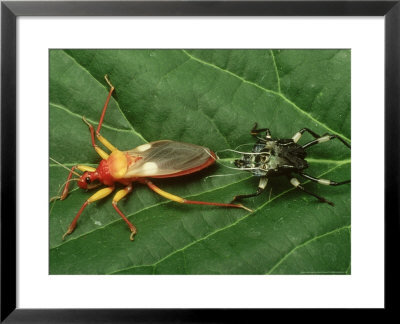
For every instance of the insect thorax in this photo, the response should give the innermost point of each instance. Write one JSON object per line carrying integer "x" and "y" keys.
{"x": 273, "y": 157}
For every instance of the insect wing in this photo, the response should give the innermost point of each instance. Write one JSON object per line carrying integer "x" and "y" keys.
{"x": 167, "y": 159}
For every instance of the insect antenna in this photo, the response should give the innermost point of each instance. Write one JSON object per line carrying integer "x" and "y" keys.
{"x": 216, "y": 158}
{"x": 65, "y": 167}
{"x": 239, "y": 169}
{"x": 220, "y": 175}
{"x": 245, "y": 144}
{"x": 239, "y": 152}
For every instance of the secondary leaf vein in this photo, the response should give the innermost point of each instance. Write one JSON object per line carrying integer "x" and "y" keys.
{"x": 276, "y": 71}
{"x": 65, "y": 109}
{"x": 291, "y": 103}
{"x": 117, "y": 104}
{"x": 304, "y": 244}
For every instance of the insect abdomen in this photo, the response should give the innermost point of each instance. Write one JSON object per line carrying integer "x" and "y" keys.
{"x": 294, "y": 154}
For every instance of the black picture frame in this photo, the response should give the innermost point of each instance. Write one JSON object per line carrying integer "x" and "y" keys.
{"x": 11, "y": 10}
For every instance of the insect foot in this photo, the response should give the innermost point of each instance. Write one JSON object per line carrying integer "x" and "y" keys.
{"x": 244, "y": 207}
{"x": 69, "y": 231}
{"x": 133, "y": 233}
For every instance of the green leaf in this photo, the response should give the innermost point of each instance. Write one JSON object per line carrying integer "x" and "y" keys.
{"x": 210, "y": 98}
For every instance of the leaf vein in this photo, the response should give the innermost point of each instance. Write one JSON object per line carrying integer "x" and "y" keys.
{"x": 276, "y": 71}
{"x": 65, "y": 109}
{"x": 117, "y": 104}
{"x": 305, "y": 243}
{"x": 291, "y": 103}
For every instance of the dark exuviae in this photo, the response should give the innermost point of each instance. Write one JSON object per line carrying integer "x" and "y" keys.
{"x": 276, "y": 157}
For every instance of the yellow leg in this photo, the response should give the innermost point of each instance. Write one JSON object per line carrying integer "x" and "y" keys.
{"x": 100, "y": 152}
{"x": 106, "y": 143}
{"x": 122, "y": 193}
{"x": 102, "y": 193}
{"x": 85, "y": 168}
{"x": 118, "y": 196}
{"x": 164, "y": 193}
{"x": 185, "y": 201}
{"x": 98, "y": 195}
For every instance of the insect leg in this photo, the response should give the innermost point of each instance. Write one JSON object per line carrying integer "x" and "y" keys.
{"x": 326, "y": 138}
{"x": 255, "y": 131}
{"x": 85, "y": 168}
{"x": 296, "y": 184}
{"x": 324, "y": 181}
{"x": 298, "y": 135}
{"x": 118, "y": 196}
{"x": 99, "y": 151}
{"x": 65, "y": 191}
{"x": 98, "y": 195}
{"x": 106, "y": 104}
{"x": 101, "y": 138}
{"x": 184, "y": 201}
{"x": 104, "y": 141}
{"x": 261, "y": 186}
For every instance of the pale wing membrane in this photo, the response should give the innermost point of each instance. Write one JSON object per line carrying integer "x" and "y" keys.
{"x": 166, "y": 157}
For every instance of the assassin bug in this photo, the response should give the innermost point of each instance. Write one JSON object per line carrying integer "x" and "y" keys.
{"x": 159, "y": 159}
{"x": 275, "y": 157}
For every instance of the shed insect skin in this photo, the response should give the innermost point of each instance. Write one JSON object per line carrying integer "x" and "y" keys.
{"x": 159, "y": 159}
{"x": 272, "y": 157}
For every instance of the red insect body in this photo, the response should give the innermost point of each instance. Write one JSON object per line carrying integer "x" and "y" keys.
{"x": 119, "y": 164}
{"x": 159, "y": 159}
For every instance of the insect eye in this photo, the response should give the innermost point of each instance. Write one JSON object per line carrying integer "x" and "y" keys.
{"x": 87, "y": 180}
